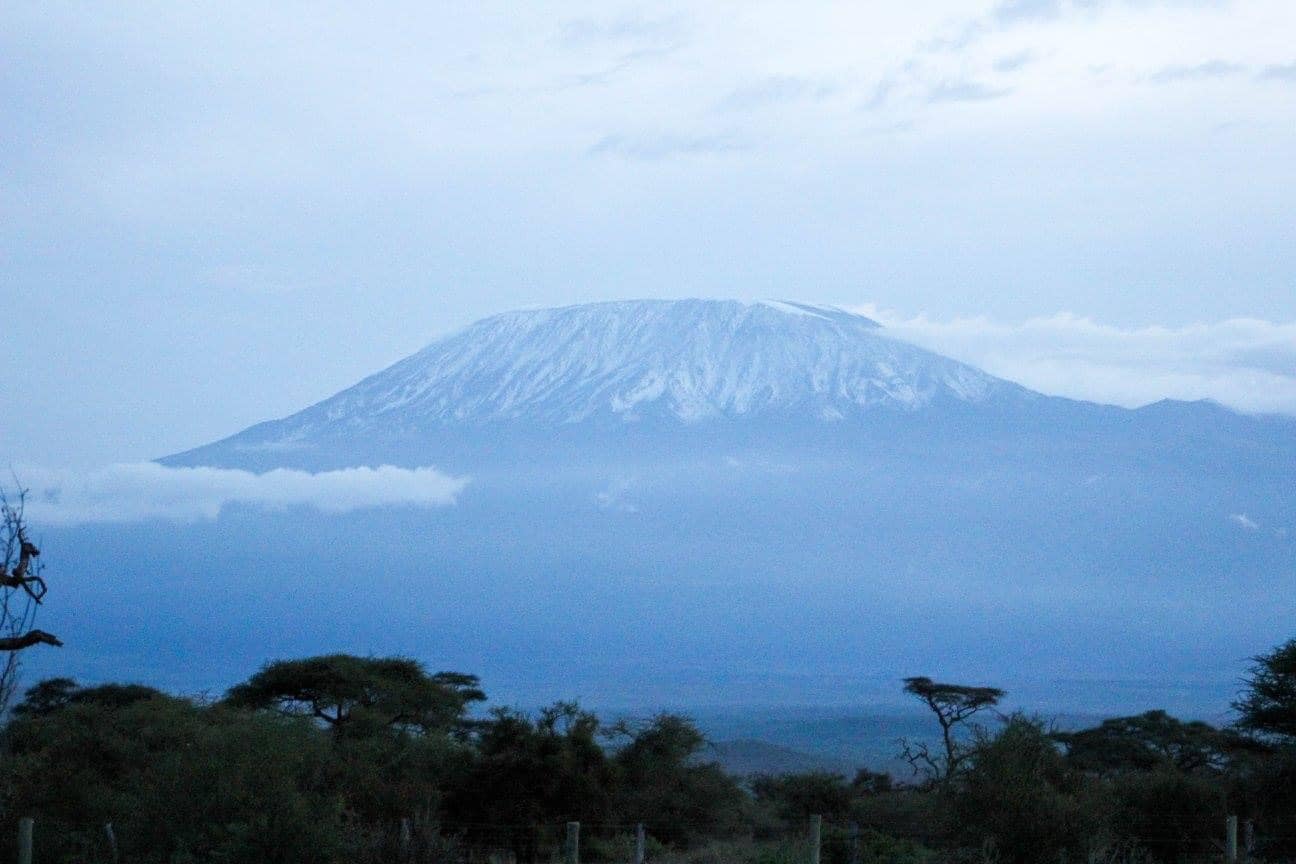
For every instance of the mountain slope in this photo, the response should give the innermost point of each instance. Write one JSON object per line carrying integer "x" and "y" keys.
{"x": 617, "y": 363}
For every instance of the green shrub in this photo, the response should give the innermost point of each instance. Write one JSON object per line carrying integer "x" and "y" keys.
{"x": 1019, "y": 798}
{"x": 178, "y": 782}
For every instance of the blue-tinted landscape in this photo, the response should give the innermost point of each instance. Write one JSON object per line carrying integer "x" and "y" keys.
{"x": 751, "y": 505}
{"x": 761, "y": 433}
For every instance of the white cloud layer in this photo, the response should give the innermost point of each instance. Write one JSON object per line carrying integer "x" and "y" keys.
{"x": 145, "y": 490}
{"x": 1245, "y": 363}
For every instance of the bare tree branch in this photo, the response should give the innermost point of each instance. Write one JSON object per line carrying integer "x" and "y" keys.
{"x": 20, "y": 569}
{"x": 28, "y": 639}
{"x": 919, "y": 757}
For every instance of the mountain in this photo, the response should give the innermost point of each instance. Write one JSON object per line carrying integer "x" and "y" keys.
{"x": 685, "y": 503}
{"x": 608, "y": 366}
{"x": 689, "y": 361}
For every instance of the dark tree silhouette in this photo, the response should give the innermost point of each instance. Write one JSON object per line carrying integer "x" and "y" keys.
{"x": 360, "y": 694}
{"x": 21, "y": 591}
{"x": 953, "y": 705}
{"x": 1268, "y": 705}
{"x": 1151, "y": 740}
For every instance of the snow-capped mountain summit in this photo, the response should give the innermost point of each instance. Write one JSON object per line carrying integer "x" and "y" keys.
{"x": 685, "y": 360}
{"x": 690, "y": 359}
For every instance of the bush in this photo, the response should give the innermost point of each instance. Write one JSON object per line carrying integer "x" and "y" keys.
{"x": 1019, "y": 799}
{"x": 874, "y": 848}
{"x": 661, "y": 782}
{"x": 1174, "y": 816}
{"x": 1268, "y": 793}
{"x": 177, "y": 781}
{"x": 796, "y": 797}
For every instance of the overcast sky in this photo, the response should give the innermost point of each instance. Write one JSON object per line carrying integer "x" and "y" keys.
{"x": 213, "y": 214}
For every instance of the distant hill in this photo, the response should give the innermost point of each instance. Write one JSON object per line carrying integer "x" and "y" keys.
{"x": 744, "y": 758}
{"x": 838, "y": 739}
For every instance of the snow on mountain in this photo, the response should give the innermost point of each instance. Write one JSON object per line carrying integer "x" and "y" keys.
{"x": 691, "y": 360}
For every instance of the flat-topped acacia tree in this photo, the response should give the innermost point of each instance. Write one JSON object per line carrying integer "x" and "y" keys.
{"x": 953, "y": 705}
{"x": 360, "y": 695}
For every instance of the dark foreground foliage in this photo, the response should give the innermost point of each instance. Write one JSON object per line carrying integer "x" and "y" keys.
{"x": 347, "y": 759}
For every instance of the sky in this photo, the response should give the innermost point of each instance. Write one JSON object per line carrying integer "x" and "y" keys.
{"x": 215, "y": 214}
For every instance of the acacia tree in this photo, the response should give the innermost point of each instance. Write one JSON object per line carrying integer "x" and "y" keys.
{"x": 532, "y": 772}
{"x": 1151, "y": 740}
{"x": 1268, "y": 705}
{"x": 360, "y": 695}
{"x": 21, "y": 591}
{"x": 953, "y": 705}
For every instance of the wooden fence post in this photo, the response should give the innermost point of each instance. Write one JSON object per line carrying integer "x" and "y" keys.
{"x": 1230, "y": 840}
{"x": 639, "y": 844}
{"x": 816, "y": 837}
{"x": 112, "y": 842}
{"x": 26, "y": 827}
{"x": 573, "y": 843}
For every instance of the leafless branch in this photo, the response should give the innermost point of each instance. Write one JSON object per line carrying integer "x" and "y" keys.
{"x": 28, "y": 639}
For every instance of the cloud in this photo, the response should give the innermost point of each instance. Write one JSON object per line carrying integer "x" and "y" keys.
{"x": 880, "y": 93}
{"x": 1245, "y": 363}
{"x": 655, "y": 147}
{"x": 1003, "y": 16}
{"x": 628, "y": 28}
{"x": 616, "y": 45}
{"x": 964, "y": 91}
{"x": 138, "y": 491}
{"x": 616, "y": 498}
{"x": 775, "y": 90}
{"x": 1211, "y": 69}
{"x": 1009, "y": 14}
{"x": 1279, "y": 72}
{"x": 1013, "y": 62}
{"x": 1014, "y": 11}
{"x": 1244, "y": 521}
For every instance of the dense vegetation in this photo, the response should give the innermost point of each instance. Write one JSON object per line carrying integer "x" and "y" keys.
{"x": 341, "y": 758}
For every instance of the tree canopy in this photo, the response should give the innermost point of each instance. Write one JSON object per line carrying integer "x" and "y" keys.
{"x": 345, "y": 692}
{"x": 1268, "y": 705}
{"x": 1146, "y": 741}
{"x": 55, "y": 694}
